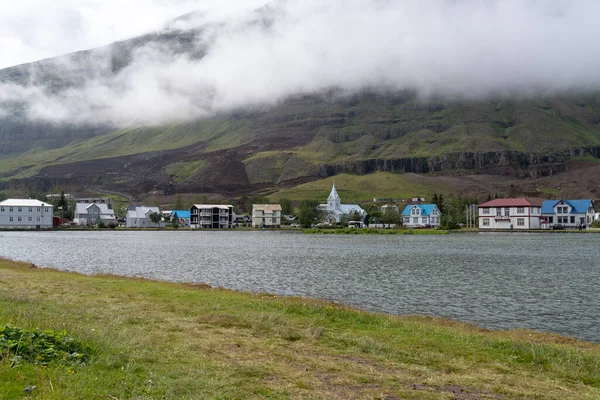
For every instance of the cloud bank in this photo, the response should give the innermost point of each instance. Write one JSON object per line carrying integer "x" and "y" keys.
{"x": 452, "y": 48}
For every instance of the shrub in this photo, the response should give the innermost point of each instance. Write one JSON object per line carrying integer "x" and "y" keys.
{"x": 40, "y": 346}
{"x": 596, "y": 224}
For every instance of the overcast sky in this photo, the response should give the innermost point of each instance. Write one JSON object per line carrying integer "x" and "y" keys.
{"x": 31, "y": 30}
{"x": 452, "y": 48}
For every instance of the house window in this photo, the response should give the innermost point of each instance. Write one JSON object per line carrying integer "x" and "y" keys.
{"x": 47, "y": 210}
{"x": 19, "y": 219}
{"x": 486, "y": 222}
{"x": 507, "y": 211}
{"x": 29, "y": 219}
{"x": 38, "y": 219}
{"x": 424, "y": 220}
{"x": 30, "y": 209}
{"x": 415, "y": 220}
{"x": 485, "y": 211}
{"x": 1, "y": 209}
{"x": 520, "y": 210}
{"x": 10, "y": 209}
{"x": 520, "y": 221}
{"x": 550, "y": 219}
{"x": 20, "y": 209}
{"x": 10, "y": 219}
{"x": 498, "y": 212}
{"x": 572, "y": 219}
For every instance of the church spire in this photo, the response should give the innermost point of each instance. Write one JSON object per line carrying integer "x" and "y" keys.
{"x": 334, "y": 201}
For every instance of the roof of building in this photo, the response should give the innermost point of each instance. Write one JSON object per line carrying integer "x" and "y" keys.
{"x": 350, "y": 208}
{"x": 24, "y": 203}
{"x": 142, "y": 211}
{"x": 220, "y": 206}
{"x": 82, "y": 208}
{"x": 518, "y": 202}
{"x": 426, "y": 209}
{"x": 266, "y": 207}
{"x": 181, "y": 213}
{"x": 579, "y": 206}
{"x": 334, "y": 194}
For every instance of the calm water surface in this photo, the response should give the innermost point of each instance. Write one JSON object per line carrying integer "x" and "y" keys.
{"x": 547, "y": 282}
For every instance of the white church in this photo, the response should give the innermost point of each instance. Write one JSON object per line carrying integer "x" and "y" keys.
{"x": 336, "y": 210}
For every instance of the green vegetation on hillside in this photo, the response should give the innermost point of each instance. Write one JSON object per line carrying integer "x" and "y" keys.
{"x": 156, "y": 340}
{"x": 357, "y": 188}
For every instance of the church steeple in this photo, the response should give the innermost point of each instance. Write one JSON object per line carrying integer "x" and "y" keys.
{"x": 334, "y": 201}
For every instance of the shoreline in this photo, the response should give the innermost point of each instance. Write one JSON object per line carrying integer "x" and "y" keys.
{"x": 158, "y": 339}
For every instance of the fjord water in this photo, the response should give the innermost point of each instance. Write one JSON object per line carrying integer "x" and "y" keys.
{"x": 547, "y": 282}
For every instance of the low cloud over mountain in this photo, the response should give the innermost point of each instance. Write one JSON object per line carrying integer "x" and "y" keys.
{"x": 453, "y": 48}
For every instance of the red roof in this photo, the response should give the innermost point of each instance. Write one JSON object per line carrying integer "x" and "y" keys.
{"x": 520, "y": 202}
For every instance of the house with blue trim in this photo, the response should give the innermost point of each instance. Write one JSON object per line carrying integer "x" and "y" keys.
{"x": 568, "y": 213}
{"x": 421, "y": 215}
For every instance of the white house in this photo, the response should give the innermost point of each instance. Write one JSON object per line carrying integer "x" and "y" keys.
{"x": 211, "y": 216}
{"x": 568, "y": 213}
{"x": 336, "y": 210}
{"x": 92, "y": 213}
{"x": 266, "y": 216}
{"x": 516, "y": 213}
{"x": 421, "y": 215}
{"x": 25, "y": 214}
{"x": 139, "y": 217}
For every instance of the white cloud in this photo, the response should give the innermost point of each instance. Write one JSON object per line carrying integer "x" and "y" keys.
{"x": 466, "y": 48}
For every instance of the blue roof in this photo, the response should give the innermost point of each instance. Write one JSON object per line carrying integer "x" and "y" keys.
{"x": 579, "y": 206}
{"x": 426, "y": 209}
{"x": 181, "y": 213}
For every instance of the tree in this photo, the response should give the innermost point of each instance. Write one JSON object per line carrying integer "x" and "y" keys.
{"x": 178, "y": 203}
{"x": 155, "y": 218}
{"x": 286, "y": 206}
{"x": 390, "y": 216}
{"x": 175, "y": 221}
{"x": 308, "y": 213}
{"x": 355, "y": 216}
{"x": 101, "y": 224}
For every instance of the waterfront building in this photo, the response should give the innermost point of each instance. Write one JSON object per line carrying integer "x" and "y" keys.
{"x": 93, "y": 213}
{"x": 567, "y": 213}
{"x": 183, "y": 217}
{"x": 211, "y": 216}
{"x": 335, "y": 210}
{"x": 139, "y": 217}
{"x": 515, "y": 213}
{"x": 421, "y": 215}
{"x": 26, "y": 214}
{"x": 266, "y": 216}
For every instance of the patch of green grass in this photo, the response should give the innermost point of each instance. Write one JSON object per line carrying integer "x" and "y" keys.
{"x": 549, "y": 191}
{"x": 183, "y": 170}
{"x": 373, "y": 231}
{"x": 156, "y": 340}
{"x": 357, "y": 188}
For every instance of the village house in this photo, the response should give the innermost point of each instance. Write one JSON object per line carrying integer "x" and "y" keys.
{"x": 516, "y": 213}
{"x": 567, "y": 213}
{"x": 25, "y": 214}
{"x": 139, "y": 217}
{"x": 93, "y": 213}
{"x": 421, "y": 215}
{"x": 183, "y": 217}
{"x": 336, "y": 211}
{"x": 266, "y": 216}
{"x": 211, "y": 216}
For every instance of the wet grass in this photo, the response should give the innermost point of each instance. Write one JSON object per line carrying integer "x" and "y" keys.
{"x": 156, "y": 340}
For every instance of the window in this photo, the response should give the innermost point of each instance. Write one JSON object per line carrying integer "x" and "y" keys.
{"x": 424, "y": 220}
{"x": 520, "y": 221}
{"x": 507, "y": 211}
{"x": 39, "y": 209}
{"x": 415, "y": 220}
{"x": 572, "y": 219}
{"x": 19, "y": 219}
{"x": 520, "y": 210}
{"x": 486, "y": 222}
{"x": 10, "y": 209}
{"x": 10, "y": 219}
{"x": 29, "y": 219}
{"x": 551, "y": 220}
{"x": 38, "y": 219}
{"x": 498, "y": 212}
{"x": 485, "y": 211}
{"x": 30, "y": 209}
{"x": 20, "y": 209}
{"x": 1, "y": 209}
{"x": 47, "y": 210}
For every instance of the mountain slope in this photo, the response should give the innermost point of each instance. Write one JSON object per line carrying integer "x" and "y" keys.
{"x": 263, "y": 148}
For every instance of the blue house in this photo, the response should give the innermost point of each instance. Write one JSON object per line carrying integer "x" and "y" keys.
{"x": 568, "y": 213}
{"x": 183, "y": 216}
{"x": 421, "y": 215}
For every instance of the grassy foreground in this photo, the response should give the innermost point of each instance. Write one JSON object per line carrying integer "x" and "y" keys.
{"x": 374, "y": 231}
{"x": 155, "y": 340}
